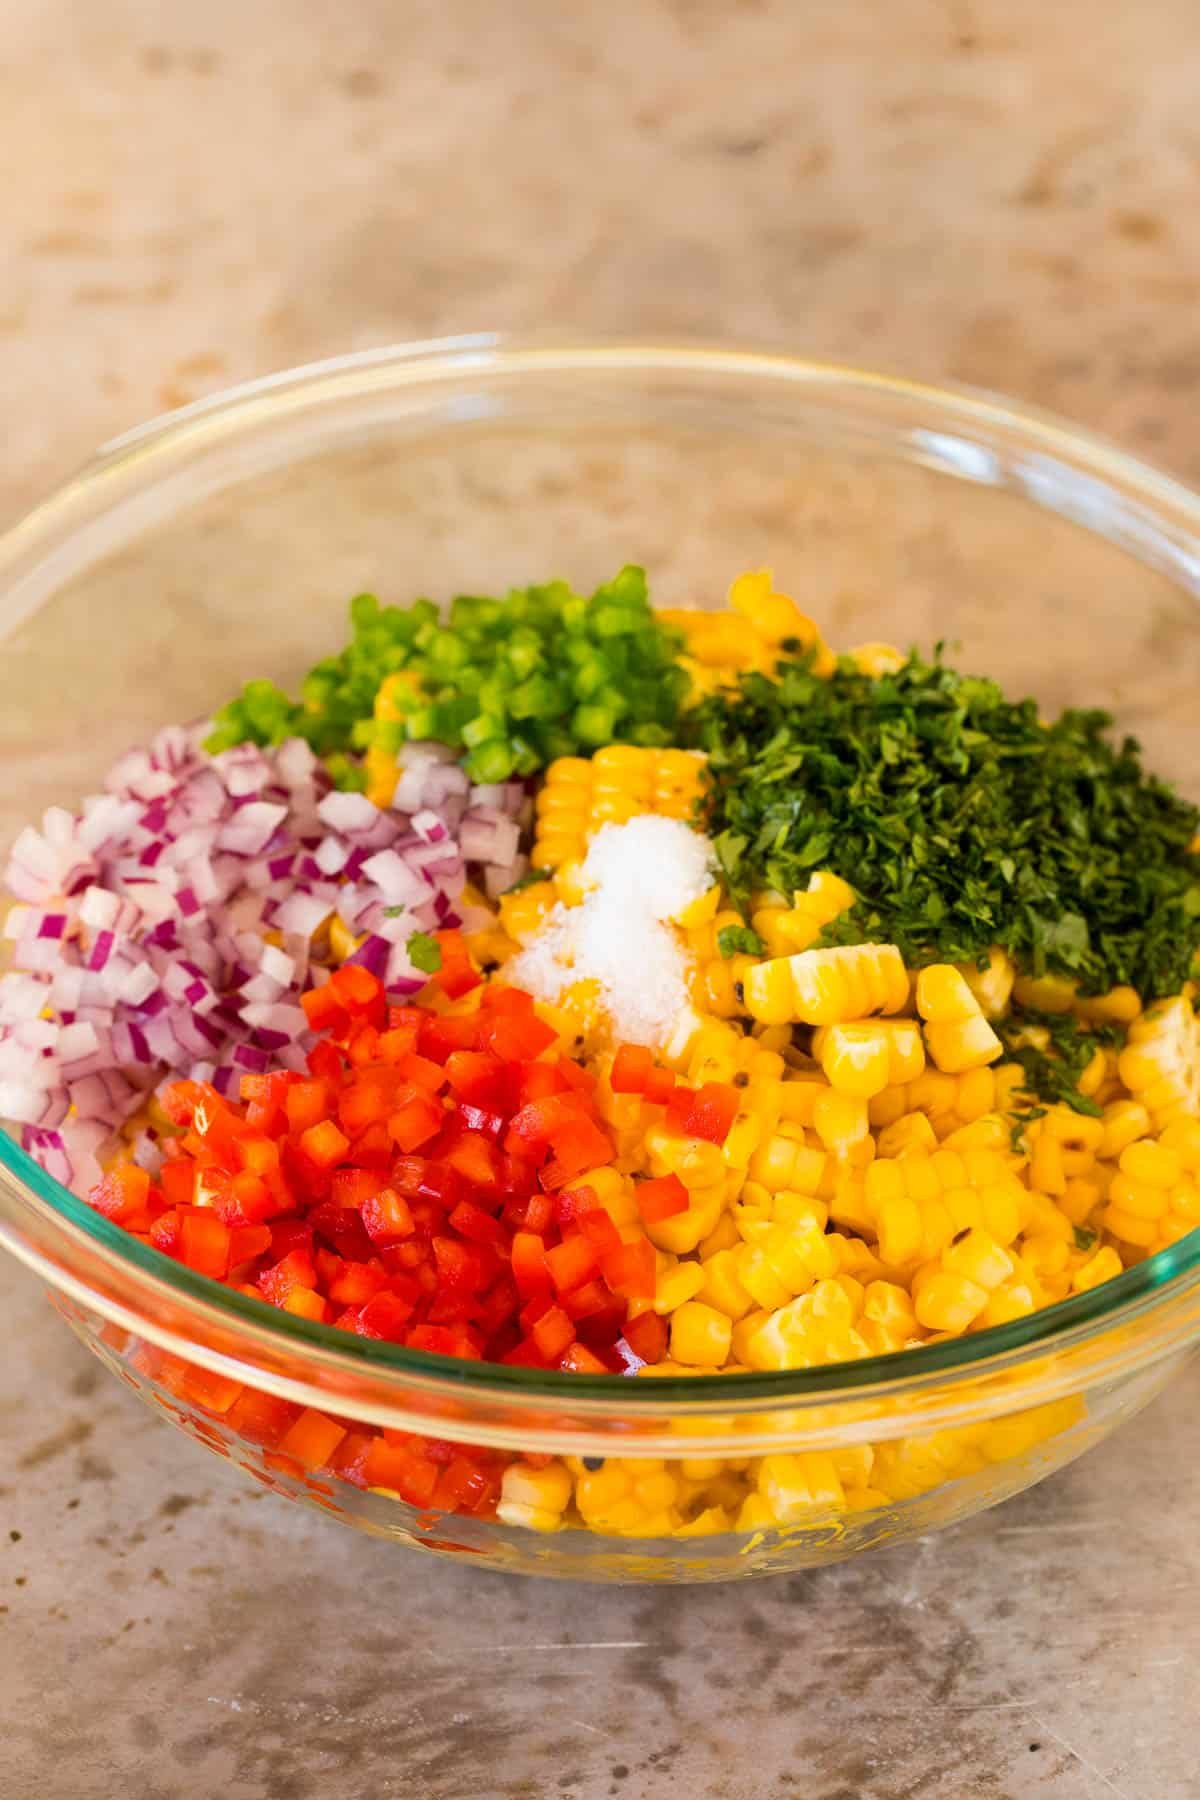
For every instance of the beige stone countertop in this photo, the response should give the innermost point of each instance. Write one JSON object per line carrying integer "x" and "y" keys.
{"x": 1004, "y": 194}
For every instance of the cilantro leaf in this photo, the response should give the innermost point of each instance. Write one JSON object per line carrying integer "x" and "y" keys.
{"x": 424, "y": 952}
{"x": 960, "y": 819}
{"x": 732, "y": 939}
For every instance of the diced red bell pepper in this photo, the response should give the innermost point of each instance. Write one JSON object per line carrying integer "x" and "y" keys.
{"x": 553, "y": 1333}
{"x": 589, "y": 1300}
{"x": 387, "y": 1217}
{"x": 705, "y": 1112}
{"x": 647, "y": 1337}
{"x": 457, "y": 974}
{"x": 351, "y": 1187}
{"x": 577, "y": 1145}
{"x": 571, "y": 1263}
{"x": 385, "y": 1315}
{"x": 478, "y": 1227}
{"x": 325, "y": 1064}
{"x": 358, "y": 1282}
{"x": 599, "y": 1230}
{"x": 532, "y": 1127}
{"x": 519, "y": 1037}
{"x": 204, "y": 1243}
{"x": 630, "y": 1270}
{"x": 422, "y": 1072}
{"x": 324, "y": 1144}
{"x": 660, "y": 1199}
{"x": 324, "y": 1010}
{"x": 247, "y": 1242}
{"x": 177, "y": 1180}
{"x": 306, "y": 1303}
{"x": 360, "y": 992}
{"x": 631, "y": 1065}
{"x": 415, "y": 1121}
{"x": 442, "y": 1033}
{"x": 123, "y": 1193}
{"x": 528, "y": 1261}
{"x": 312, "y": 1439}
{"x": 660, "y": 1085}
{"x": 308, "y": 1104}
{"x": 401, "y": 1469}
{"x": 397, "y": 1042}
{"x": 579, "y": 1360}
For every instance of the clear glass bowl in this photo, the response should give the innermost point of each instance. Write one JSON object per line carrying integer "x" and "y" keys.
{"x": 224, "y": 542}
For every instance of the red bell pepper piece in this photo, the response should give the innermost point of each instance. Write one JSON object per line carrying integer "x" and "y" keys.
{"x": 571, "y": 1263}
{"x": 387, "y": 1217}
{"x": 631, "y": 1065}
{"x": 705, "y": 1112}
{"x": 415, "y": 1121}
{"x": 204, "y": 1243}
{"x": 661, "y": 1198}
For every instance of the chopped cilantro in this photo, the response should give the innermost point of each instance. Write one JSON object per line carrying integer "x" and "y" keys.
{"x": 1052, "y": 1072}
{"x": 530, "y": 878}
{"x": 424, "y": 952}
{"x": 960, "y": 819}
{"x": 735, "y": 939}
{"x": 1085, "y": 1238}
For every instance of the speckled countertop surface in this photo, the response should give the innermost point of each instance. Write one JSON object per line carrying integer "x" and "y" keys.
{"x": 1001, "y": 193}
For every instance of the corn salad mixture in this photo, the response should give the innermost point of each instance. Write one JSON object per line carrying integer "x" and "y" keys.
{"x": 582, "y": 987}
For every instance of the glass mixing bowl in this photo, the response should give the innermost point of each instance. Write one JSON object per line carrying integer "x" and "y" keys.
{"x": 225, "y": 540}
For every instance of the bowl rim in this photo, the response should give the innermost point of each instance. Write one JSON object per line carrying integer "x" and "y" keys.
{"x": 122, "y": 463}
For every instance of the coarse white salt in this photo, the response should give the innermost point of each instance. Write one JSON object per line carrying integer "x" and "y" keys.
{"x": 639, "y": 876}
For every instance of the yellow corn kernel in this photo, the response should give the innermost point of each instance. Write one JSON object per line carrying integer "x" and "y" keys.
{"x": 1124, "y": 1121}
{"x": 956, "y": 1046}
{"x": 701, "y": 911}
{"x": 721, "y": 1287}
{"x": 745, "y": 1331}
{"x": 1138, "y": 1198}
{"x": 900, "y": 1231}
{"x": 1044, "y": 993}
{"x": 949, "y": 1302}
{"x": 681, "y": 1233}
{"x": 787, "y": 1162}
{"x": 1046, "y": 1172}
{"x": 979, "y": 1258}
{"x": 1183, "y": 1137}
{"x": 936, "y": 1095}
{"x": 534, "y": 1498}
{"x": 828, "y": 987}
{"x": 760, "y": 1278}
{"x": 910, "y": 1133}
{"x": 1120, "y": 1006}
{"x": 943, "y": 996}
{"x": 1129, "y": 1227}
{"x": 342, "y": 941}
{"x": 876, "y": 659}
{"x": 797, "y": 1484}
{"x": 677, "y": 1286}
{"x": 524, "y": 913}
{"x": 1160, "y": 1064}
{"x": 864, "y": 1058}
{"x": 1154, "y": 1164}
{"x": 1094, "y": 1075}
{"x": 723, "y": 1236}
{"x": 992, "y": 985}
{"x": 1102, "y": 1267}
{"x": 700, "y": 1335}
{"x": 975, "y": 1095}
{"x": 840, "y": 1120}
{"x": 886, "y": 1108}
{"x": 1014, "y": 1300}
{"x": 889, "y": 1305}
{"x": 801, "y": 1253}
{"x": 1079, "y": 1199}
